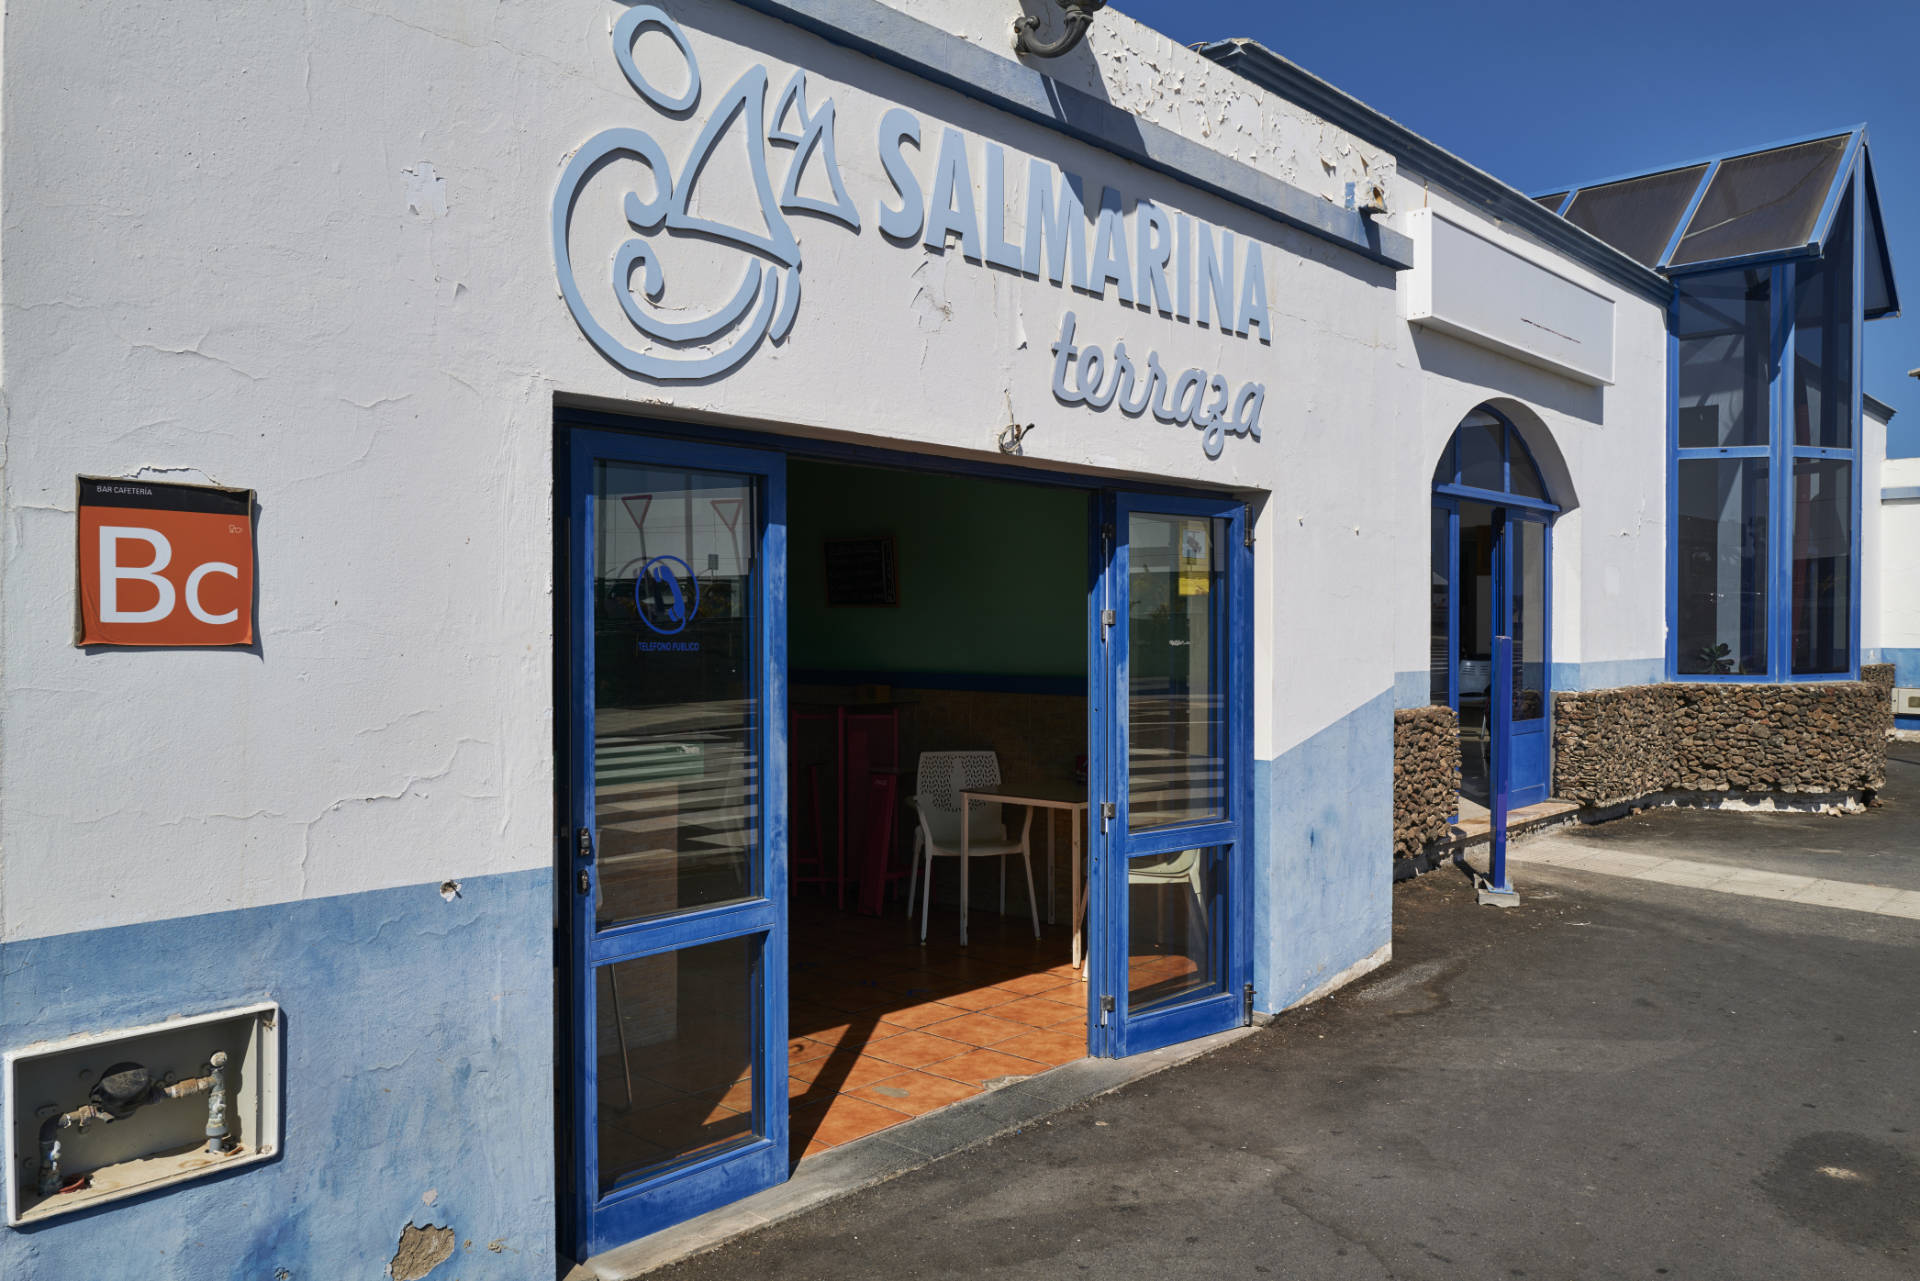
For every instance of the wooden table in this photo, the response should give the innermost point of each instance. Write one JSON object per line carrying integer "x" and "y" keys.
{"x": 1047, "y": 794}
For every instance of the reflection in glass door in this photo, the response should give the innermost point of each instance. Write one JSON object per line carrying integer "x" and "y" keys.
{"x": 1171, "y": 772}
{"x": 674, "y": 755}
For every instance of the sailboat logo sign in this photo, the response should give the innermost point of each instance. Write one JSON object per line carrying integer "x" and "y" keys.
{"x": 763, "y": 302}
{"x": 1157, "y": 263}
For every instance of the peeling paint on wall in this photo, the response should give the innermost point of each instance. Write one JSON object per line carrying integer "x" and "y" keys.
{"x": 421, "y": 1251}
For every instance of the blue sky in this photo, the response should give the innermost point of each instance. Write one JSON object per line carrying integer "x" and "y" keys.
{"x": 1543, "y": 95}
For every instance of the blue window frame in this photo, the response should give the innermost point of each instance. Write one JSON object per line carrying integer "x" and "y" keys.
{"x": 1763, "y": 481}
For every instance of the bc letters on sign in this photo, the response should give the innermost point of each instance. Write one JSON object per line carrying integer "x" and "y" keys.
{"x": 166, "y": 565}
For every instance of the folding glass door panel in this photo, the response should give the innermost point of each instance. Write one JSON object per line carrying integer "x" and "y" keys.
{"x": 1491, "y": 578}
{"x": 1172, "y": 641}
{"x": 674, "y": 858}
{"x": 1523, "y": 608}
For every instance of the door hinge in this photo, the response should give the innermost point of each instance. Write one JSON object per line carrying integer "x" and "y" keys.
{"x": 1106, "y": 1008}
{"x": 1246, "y": 1012}
{"x": 1107, "y": 813}
{"x": 1107, "y": 620}
{"x": 1106, "y": 535}
{"x": 586, "y": 881}
{"x": 583, "y": 841}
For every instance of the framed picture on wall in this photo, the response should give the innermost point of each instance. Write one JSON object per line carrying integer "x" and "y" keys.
{"x": 862, "y": 571}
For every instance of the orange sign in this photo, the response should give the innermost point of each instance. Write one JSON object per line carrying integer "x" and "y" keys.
{"x": 164, "y": 564}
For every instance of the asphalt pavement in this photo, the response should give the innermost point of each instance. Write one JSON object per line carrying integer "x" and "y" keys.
{"x": 1618, "y": 1078}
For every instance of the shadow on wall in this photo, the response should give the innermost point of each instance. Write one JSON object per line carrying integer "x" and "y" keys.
{"x": 1451, "y": 357}
{"x": 1544, "y": 448}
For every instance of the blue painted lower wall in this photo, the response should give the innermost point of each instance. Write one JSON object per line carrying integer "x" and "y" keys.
{"x": 1413, "y": 689}
{"x": 418, "y": 1088}
{"x": 1906, "y": 665}
{"x": 1613, "y": 673}
{"x": 1323, "y": 885}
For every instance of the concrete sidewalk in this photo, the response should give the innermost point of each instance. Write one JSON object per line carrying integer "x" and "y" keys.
{"x": 1621, "y": 1078}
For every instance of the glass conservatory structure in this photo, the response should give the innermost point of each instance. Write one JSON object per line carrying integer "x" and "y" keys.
{"x": 1777, "y": 257}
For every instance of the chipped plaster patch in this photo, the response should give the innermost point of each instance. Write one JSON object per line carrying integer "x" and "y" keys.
{"x": 426, "y": 191}
{"x": 421, "y": 1251}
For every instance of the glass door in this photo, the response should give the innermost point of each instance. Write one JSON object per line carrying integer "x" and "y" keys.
{"x": 1490, "y": 578}
{"x": 1173, "y": 749}
{"x": 673, "y": 858}
{"x": 1523, "y": 609}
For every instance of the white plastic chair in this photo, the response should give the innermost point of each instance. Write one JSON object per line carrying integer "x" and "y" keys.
{"x": 941, "y": 777}
{"x": 1182, "y": 866}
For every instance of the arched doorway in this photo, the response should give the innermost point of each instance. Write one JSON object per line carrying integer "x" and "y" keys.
{"x": 1492, "y": 532}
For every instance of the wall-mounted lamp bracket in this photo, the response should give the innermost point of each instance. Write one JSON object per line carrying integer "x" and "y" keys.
{"x": 1010, "y": 437}
{"x": 1075, "y": 17}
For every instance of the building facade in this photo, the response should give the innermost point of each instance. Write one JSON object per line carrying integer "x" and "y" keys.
{"x": 616, "y": 388}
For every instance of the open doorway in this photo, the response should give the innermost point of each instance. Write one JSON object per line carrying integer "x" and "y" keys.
{"x": 937, "y": 641}
{"x": 784, "y": 676}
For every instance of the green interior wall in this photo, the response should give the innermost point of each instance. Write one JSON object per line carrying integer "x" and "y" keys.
{"x": 992, "y": 573}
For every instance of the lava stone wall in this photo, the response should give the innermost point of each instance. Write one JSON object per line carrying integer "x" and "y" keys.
{"x": 1426, "y": 776}
{"x": 1613, "y": 745}
{"x": 1882, "y": 677}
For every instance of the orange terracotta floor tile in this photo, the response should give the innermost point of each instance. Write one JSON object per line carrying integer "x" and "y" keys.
{"x": 917, "y": 1093}
{"x": 1034, "y": 984}
{"x": 918, "y": 1016}
{"x": 1038, "y": 1011}
{"x": 847, "y": 1118}
{"x": 980, "y": 1066}
{"x": 884, "y": 1028}
{"x": 979, "y": 998}
{"x": 976, "y": 1029}
{"x": 1047, "y": 1046}
{"x": 917, "y": 1049}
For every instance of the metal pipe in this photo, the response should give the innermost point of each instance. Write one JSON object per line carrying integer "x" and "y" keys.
{"x": 213, "y": 1084}
{"x": 49, "y": 1182}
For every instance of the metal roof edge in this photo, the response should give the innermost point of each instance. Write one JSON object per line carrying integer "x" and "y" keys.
{"x": 1880, "y": 229}
{"x": 1707, "y": 160}
{"x": 1414, "y": 153}
{"x": 1878, "y": 407}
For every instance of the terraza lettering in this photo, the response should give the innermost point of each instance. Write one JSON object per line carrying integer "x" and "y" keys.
{"x": 1193, "y": 398}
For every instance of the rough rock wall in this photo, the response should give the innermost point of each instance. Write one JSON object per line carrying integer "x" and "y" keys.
{"x": 1426, "y": 776}
{"x": 1614, "y": 745}
{"x": 1882, "y": 677}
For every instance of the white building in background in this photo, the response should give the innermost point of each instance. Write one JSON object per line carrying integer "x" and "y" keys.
{"x": 1199, "y": 417}
{"x": 1898, "y": 544}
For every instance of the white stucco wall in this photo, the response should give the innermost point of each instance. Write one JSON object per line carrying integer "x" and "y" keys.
{"x": 1604, "y": 444}
{"x": 325, "y": 275}
{"x": 1873, "y": 461}
{"x": 1898, "y": 577}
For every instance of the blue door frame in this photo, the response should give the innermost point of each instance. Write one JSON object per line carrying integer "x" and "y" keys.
{"x": 1519, "y": 503}
{"x": 1530, "y": 773}
{"x": 1113, "y": 1029}
{"x": 593, "y": 1220}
